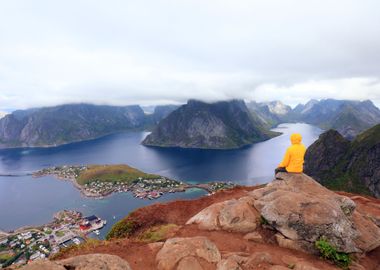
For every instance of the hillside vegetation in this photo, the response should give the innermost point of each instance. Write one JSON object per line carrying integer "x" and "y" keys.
{"x": 112, "y": 173}
{"x": 344, "y": 165}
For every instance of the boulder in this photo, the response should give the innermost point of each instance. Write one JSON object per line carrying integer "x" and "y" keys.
{"x": 43, "y": 265}
{"x": 189, "y": 263}
{"x": 254, "y": 237}
{"x": 228, "y": 264}
{"x": 175, "y": 250}
{"x": 303, "y": 211}
{"x": 95, "y": 261}
{"x": 232, "y": 215}
{"x": 240, "y": 261}
{"x": 83, "y": 262}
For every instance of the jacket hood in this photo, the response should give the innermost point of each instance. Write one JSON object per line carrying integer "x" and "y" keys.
{"x": 296, "y": 138}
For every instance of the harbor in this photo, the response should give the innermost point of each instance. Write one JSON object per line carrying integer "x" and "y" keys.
{"x": 26, "y": 245}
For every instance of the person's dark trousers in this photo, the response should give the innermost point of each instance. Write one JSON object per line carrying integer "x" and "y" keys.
{"x": 280, "y": 169}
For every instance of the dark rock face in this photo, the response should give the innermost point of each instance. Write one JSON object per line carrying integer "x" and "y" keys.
{"x": 332, "y": 157}
{"x": 220, "y": 125}
{"x": 66, "y": 123}
{"x": 325, "y": 153}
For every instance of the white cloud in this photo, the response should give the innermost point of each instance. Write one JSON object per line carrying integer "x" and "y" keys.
{"x": 125, "y": 52}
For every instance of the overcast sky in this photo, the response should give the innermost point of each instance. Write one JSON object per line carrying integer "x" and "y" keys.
{"x": 156, "y": 52}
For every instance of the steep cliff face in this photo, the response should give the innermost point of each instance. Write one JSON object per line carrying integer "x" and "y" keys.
{"x": 325, "y": 154}
{"x": 341, "y": 164}
{"x": 197, "y": 124}
{"x": 66, "y": 123}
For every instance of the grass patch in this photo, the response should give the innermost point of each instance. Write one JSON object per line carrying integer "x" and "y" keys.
{"x": 5, "y": 257}
{"x": 158, "y": 233}
{"x": 329, "y": 252}
{"x": 263, "y": 221}
{"x": 121, "y": 229}
{"x": 112, "y": 173}
{"x": 60, "y": 234}
{"x": 89, "y": 245}
{"x": 346, "y": 183}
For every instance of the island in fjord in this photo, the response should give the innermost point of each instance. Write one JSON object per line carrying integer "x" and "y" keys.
{"x": 98, "y": 181}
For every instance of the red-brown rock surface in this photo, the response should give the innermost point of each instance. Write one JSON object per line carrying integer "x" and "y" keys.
{"x": 84, "y": 262}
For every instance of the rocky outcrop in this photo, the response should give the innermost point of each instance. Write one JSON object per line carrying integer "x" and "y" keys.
{"x": 350, "y": 166}
{"x": 301, "y": 211}
{"x": 83, "y": 262}
{"x": 304, "y": 211}
{"x": 221, "y": 125}
{"x": 232, "y": 215}
{"x": 186, "y": 253}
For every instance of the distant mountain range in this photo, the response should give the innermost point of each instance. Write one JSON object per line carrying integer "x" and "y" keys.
{"x": 228, "y": 124}
{"x": 341, "y": 164}
{"x": 348, "y": 117}
{"x": 220, "y": 125}
{"x": 57, "y": 125}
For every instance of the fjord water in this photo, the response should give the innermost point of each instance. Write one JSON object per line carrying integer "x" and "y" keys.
{"x": 28, "y": 201}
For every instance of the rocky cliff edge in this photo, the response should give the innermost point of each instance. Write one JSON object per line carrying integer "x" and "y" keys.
{"x": 272, "y": 227}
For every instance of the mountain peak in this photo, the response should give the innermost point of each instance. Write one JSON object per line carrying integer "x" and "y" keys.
{"x": 219, "y": 125}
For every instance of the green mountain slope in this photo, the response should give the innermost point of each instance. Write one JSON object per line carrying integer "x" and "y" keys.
{"x": 344, "y": 165}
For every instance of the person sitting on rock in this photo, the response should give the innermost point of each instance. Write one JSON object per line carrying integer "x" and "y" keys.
{"x": 294, "y": 156}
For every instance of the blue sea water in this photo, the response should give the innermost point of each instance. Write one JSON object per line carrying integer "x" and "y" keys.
{"x": 28, "y": 201}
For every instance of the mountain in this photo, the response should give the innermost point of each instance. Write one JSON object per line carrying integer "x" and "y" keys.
{"x": 160, "y": 112}
{"x": 220, "y": 125}
{"x": 62, "y": 124}
{"x": 346, "y": 165}
{"x": 294, "y": 223}
{"x": 346, "y": 116}
{"x": 2, "y": 114}
{"x": 271, "y": 113}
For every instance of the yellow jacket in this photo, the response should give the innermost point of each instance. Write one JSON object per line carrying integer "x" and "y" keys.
{"x": 294, "y": 156}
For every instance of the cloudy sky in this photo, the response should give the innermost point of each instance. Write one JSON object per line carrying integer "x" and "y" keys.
{"x": 156, "y": 52}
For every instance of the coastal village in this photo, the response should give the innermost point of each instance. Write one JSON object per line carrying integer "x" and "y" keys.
{"x": 37, "y": 243}
{"x": 150, "y": 187}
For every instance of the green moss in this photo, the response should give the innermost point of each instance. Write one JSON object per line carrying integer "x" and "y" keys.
{"x": 158, "y": 233}
{"x": 329, "y": 252}
{"x": 263, "y": 221}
